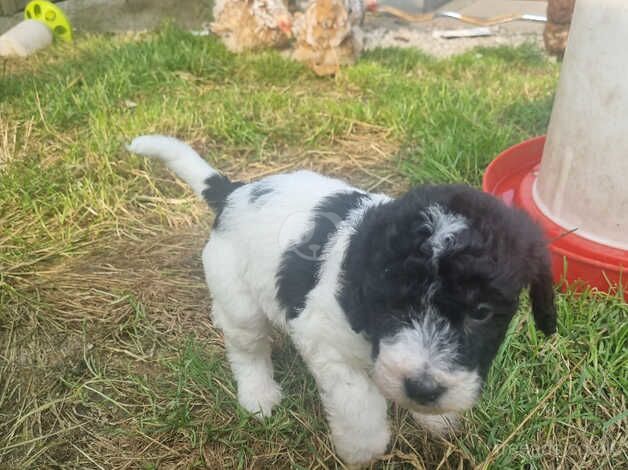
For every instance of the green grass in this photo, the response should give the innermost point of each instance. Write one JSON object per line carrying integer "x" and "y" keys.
{"x": 107, "y": 356}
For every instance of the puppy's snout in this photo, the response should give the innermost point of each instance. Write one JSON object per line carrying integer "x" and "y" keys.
{"x": 424, "y": 389}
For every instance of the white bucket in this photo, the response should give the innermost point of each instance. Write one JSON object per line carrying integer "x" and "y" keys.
{"x": 583, "y": 179}
{"x": 25, "y": 38}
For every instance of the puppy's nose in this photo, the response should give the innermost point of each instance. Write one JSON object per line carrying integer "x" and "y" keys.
{"x": 423, "y": 390}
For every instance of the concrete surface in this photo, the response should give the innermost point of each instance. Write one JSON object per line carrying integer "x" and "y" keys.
{"x": 483, "y": 9}
{"x": 10, "y": 7}
{"x": 387, "y": 31}
{"x": 416, "y": 6}
{"x": 126, "y": 15}
{"x": 380, "y": 30}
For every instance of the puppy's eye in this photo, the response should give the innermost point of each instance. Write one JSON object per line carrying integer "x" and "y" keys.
{"x": 480, "y": 313}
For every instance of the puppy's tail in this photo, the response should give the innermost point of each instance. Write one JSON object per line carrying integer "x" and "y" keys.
{"x": 188, "y": 165}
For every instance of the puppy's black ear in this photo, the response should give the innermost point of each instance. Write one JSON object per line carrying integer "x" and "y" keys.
{"x": 542, "y": 292}
{"x": 353, "y": 304}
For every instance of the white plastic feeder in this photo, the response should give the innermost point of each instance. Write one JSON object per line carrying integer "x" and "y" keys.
{"x": 579, "y": 193}
{"x": 25, "y": 38}
{"x": 583, "y": 181}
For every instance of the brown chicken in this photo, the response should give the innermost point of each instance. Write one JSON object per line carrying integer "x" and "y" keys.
{"x": 252, "y": 24}
{"x": 326, "y": 37}
{"x": 559, "y": 13}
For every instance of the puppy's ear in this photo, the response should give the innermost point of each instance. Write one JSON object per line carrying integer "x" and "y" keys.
{"x": 542, "y": 292}
{"x": 353, "y": 304}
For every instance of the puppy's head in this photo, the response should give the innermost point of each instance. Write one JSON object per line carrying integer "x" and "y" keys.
{"x": 433, "y": 280}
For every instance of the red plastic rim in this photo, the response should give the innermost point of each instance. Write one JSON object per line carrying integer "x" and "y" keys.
{"x": 576, "y": 261}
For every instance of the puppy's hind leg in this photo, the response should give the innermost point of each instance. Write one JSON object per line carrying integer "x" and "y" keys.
{"x": 248, "y": 350}
{"x": 247, "y": 337}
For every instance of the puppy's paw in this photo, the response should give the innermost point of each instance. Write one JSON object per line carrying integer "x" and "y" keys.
{"x": 445, "y": 425}
{"x": 259, "y": 399}
{"x": 359, "y": 448}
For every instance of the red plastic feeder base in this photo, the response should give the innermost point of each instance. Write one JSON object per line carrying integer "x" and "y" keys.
{"x": 576, "y": 261}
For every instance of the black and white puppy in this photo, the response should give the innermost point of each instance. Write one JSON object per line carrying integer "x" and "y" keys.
{"x": 407, "y": 299}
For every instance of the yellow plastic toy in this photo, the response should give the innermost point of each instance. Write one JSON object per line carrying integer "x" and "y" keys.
{"x": 52, "y": 16}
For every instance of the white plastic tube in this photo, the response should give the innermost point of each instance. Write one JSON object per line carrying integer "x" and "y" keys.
{"x": 25, "y": 38}
{"x": 583, "y": 179}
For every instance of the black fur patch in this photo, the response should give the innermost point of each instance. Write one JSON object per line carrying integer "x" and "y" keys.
{"x": 390, "y": 276}
{"x": 259, "y": 190}
{"x": 301, "y": 263}
{"x": 215, "y": 194}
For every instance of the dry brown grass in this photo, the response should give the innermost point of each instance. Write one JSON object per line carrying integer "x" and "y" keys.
{"x": 101, "y": 333}
{"x": 367, "y": 155}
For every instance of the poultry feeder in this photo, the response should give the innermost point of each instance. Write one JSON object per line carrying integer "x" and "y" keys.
{"x": 574, "y": 182}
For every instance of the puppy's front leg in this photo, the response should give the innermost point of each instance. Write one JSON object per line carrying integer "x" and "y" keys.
{"x": 356, "y": 412}
{"x": 444, "y": 425}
